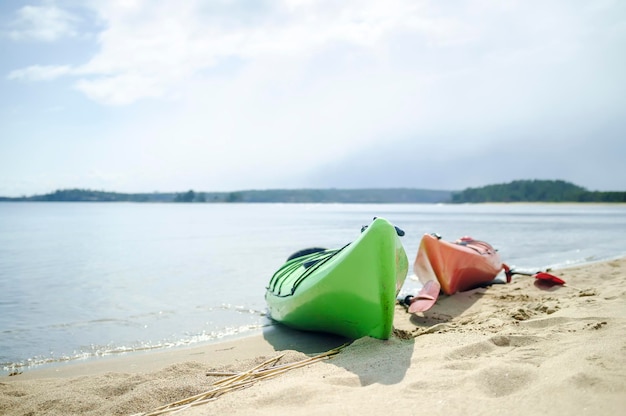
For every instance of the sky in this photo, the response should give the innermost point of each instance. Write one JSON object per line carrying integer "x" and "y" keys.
{"x": 226, "y": 95}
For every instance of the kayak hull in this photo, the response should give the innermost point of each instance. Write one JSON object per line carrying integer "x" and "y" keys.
{"x": 457, "y": 266}
{"x": 350, "y": 291}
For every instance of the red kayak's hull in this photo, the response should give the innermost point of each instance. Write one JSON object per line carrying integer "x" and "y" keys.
{"x": 458, "y": 266}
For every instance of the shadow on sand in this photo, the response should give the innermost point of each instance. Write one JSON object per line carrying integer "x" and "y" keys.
{"x": 367, "y": 358}
{"x": 449, "y": 307}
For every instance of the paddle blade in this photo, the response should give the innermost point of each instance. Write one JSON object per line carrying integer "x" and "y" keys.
{"x": 549, "y": 278}
{"x": 426, "y": 297}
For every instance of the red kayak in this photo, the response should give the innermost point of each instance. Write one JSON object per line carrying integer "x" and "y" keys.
{"x": 457, "y": 266}
{"x": 451, "y": 267}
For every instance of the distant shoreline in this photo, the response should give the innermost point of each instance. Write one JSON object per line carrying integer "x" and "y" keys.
{"x": 516, "y": 191}
{"x": 374, "y": 195}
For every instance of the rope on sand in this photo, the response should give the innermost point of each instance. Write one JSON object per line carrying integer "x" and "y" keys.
{"x": 237, "y": 381}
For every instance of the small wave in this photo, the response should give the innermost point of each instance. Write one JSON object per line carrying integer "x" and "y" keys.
{"x": 235, "y": 308}
{"x": 582, "y": 261}
{"x": 95, "y": 351}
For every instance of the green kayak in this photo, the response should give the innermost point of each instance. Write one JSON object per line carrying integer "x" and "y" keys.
{"x": 349, "y": 291}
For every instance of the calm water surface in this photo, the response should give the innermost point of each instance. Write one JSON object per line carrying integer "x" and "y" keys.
{"x": 81, "y": 280}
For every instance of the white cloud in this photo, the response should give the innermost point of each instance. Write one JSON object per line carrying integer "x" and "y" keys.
{"x": 153, "y": 49}
{"x": 40, "y": 72}
{"x": 43, "y": 23}
{"x": 161, "y": 45}
{"x": 120, "y": 89}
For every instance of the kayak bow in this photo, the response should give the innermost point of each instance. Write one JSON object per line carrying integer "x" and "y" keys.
{"x": 349, "y": 291}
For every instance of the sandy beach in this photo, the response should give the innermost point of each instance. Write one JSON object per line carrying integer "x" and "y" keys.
{"x": 514, "y": 349}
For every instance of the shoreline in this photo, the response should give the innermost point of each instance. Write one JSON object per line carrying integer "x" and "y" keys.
{"x": 59, "y": 365}
{"x": 265, "y": 341}
{"x": 519, "y": 348}
{"x": 50, "y": 366}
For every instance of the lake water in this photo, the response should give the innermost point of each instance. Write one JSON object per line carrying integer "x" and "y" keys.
{"x": 80, "y": 280}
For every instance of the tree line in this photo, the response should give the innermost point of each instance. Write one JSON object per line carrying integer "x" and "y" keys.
{"x": 535, "y": 191}
{"x": 400, "y": 195}
{"x": 516, "y": 191}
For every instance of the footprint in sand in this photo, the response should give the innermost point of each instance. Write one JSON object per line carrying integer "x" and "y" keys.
{"x": 564, "y": 324}
{"x": 502, "y": 380}
{"x": 490, "y": 346}
{"x": 546, "y": 322}
{"x": 517, "y": 348}
{"x": 472, "y": 351}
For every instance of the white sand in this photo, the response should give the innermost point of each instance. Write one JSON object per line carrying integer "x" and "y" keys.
{"x": 514, "y": 349}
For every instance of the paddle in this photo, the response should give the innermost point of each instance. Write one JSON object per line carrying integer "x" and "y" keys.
{"x": 549, "y": 278}
{"x": 426, "y": 297}
{"x": 542, "y": 276}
